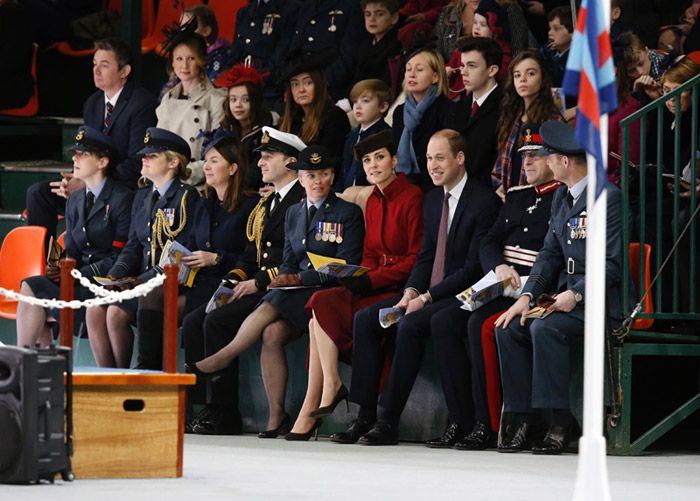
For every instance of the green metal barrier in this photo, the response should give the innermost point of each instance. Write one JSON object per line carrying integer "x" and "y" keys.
{"x": 653, "y": 215}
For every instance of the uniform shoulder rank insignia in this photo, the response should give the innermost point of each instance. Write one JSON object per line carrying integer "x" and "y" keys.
{"x": 147, "y": 138}
{"x": 265, "y": 138}
{"x": 315, "y": 158}
{"x": 547, "y": 187}
{"x": 80, "y": 135}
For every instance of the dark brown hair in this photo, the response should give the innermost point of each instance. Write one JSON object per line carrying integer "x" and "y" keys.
{"x": 228, "y": 148}
{"x": 259, "y": 114}
{"x": 312, "y": 121}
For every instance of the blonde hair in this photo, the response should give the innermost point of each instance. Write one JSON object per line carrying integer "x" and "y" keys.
{"x": 437, "y": 64}
{"x": 682, "y": 71}
{"x": 183, "y": 172}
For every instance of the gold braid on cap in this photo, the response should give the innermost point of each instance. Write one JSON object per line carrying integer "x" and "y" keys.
{"x": 256, "y": 224}
{"x": 161, "y": 225}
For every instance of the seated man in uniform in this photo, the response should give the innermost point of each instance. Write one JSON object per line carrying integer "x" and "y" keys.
{"x": 206, "y": 333}
{"x": 534, "y": 354}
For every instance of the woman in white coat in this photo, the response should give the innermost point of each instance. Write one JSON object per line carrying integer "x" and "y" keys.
{"x": 194, "y": 106}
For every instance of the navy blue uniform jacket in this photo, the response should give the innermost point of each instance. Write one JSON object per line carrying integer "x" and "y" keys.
{"x": 300, "y": 238}
{"x": 476, "y": 212}
{"x": 134, "y": 113}
{"x": 135, "y": 258}
{"x": 96, "y": 243}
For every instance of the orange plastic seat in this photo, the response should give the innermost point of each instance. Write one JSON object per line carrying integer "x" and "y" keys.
{"x": 32, "y": 107}
{"x": 641, "y": 324}
{"x": 61, "y": 240}
{"x": 226, "y": 11}
{"x": 168, "y": 13}
{"x": 22, "y": 255}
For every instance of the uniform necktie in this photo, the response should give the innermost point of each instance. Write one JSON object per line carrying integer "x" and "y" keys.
{"x": 311, "y": 214}
{"x": 276, "y": 201}
{"x": 89, "y": 202}
{"x": 108, "y": 115}
{"x": 475, "y": 106}
{"x": 439, "y": 263}
{"x": 155, "y": 196}
{"x": 569, "y": 199}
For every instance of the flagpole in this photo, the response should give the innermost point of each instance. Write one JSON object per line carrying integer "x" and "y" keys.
{"x": 592, "y": 474}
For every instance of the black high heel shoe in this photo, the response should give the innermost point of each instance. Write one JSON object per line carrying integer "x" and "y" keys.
{"x": 284, "y": 427}
{"x": 328, "y": 409}
{"x": 204, "y": 376}
{"x": 303, "y": 437}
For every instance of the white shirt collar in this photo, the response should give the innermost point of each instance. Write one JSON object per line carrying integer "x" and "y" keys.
{"x": 362, "y": 128}
{"x": 486, "y": 94}
{"x": 286, "y": 189}
{"x": 453, "y": 201}
{"x": 114, "y": 98}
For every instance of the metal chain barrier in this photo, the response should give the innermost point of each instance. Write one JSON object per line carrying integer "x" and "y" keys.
{"x": 106, "y": 296}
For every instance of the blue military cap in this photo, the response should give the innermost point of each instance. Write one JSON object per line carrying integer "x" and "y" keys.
{"x": 158, "y": 140}
{"x": 91, "y": 140}
{"x": 314, "y": 157}
{"x": 559, "y": 137}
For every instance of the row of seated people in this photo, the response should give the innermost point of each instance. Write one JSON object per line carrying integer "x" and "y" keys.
{"x": 421, "y": 251}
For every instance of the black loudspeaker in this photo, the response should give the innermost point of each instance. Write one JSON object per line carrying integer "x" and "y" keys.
{"x": 35, "y": 414}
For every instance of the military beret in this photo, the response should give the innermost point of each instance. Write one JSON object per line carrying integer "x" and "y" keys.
{"x": 383, "y": 139}
{"x": 93, "y": 141}
{"x": 559, "y": 137}
{"x": 314, "y": 157}
{"x": 284, "y": 142}
{"x": 158, "y": 140}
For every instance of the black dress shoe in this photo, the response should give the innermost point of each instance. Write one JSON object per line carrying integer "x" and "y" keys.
{"x": 201, "y": 375}
{"x": 218, "y": 422}
{"x": 555, "y": 440}
{"x": 350, "y": 436}
{"x": 303, "y": 437}
{"x": 328, "y": 409}
{"x": 522, "y": 438}
{"x": 481, "y": 437}
{"x": 382, "y": 433}
{"x": 284, "y": 428}
{"x": 193, "y": 420}
{"x": 453, "y": 433}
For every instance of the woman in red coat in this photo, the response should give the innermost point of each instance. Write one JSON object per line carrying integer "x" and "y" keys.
{"x": 393, "y": 217}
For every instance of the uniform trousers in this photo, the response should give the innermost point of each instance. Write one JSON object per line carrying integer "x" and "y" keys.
{"x": 411, "y": 333}
{"x": 535, "y": 361}
{"x": 205, "y": 334}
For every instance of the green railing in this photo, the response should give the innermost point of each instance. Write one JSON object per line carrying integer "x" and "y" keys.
{"x": 666, "y": 219}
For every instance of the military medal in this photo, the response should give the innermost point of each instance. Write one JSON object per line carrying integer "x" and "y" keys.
{"x": 533, "y": 207}
{"x": 170, "y": 215}
{"x": 319, "y": 231}
{"x": 339, "y": 236}
{"x": 332, "y": 231}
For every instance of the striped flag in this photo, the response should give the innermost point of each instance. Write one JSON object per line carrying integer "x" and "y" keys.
{"x": 590, "y": 76}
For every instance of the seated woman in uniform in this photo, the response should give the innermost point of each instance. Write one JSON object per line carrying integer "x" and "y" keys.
{"x": 394, "y": 222}
{"x": 162, "y": 211}
{"x": 97, "y": 224}
{"x": 194, "y": 106}
{"x": 245, "y": 113}
{"x": 308, "y": 110}
{"x": 322, "y": 224}
{"x": 218, "y": 235}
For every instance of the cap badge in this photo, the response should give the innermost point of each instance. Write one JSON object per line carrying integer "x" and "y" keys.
{"x": 147, "y": 138}
{"x": 80, "y": 135}
{"x": 265, "y": 138}
{"x": 315, "y": 158}
{"x": 528, "y": 135}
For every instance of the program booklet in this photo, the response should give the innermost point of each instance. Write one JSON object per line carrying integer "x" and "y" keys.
{"x": 486, "y": 290}
{"x": 172, "y": 254}
{"x": 54, "y": 254}
{"x": 115, "y": 282}
{"x": 220, "y": 297}
{"x": 335, "y": 267}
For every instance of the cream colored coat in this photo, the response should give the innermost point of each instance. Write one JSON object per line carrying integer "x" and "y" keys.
{"x": 188, "y": 118}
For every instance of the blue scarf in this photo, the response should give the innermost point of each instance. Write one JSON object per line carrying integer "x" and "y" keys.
{"x": 412, "y": 116}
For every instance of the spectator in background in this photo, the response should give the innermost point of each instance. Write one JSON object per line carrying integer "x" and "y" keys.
{"x": 245, "y": 114}
{"x": 308, "y": 110}
{"x": 536, "y": 16}
{"x": 527, "y": 98}
{"x": 556, "y": 52}
{"x": 382, "y": 45}
{"x": 370, "y": 102}
{"x": 520, "y": 34}
{"x": 455, "y": 21}
{"x": 491, "y": 21}
{"x": 193, "y": 107}
{"x": 263, "y": 33}
{"x": 644, "y": 67}
{"x": 418, "y": 19}
{"x": 119, "y": 109}
{"x": 333, "y": 26}
{"x": 427, "y": 109}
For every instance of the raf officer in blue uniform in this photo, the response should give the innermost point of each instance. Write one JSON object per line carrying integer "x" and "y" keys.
{"x": 335, "y": 26}
{"x": 162, "y": 211}
{"x": 97, "y": 224}
{"x": 534, "y": 354}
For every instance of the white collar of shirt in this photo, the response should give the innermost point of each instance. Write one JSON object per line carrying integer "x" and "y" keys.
{"x": 577, "y": 189}
{"x": 453, "y": 201}
{"x": 286, "y": 189}
{"x": 486, "y": 94}
{"x": 362, "y": 129}
{"x": 97, "y": 189}
{"x": 114, "y": 98}
{"x": 317, "y": 204}
{"x": 163, "y": 188}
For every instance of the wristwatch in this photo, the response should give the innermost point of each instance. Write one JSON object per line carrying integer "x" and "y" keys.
{"x": 217, "y": 259}
{"x": 425, "y": 298}
{"x": 578, "y": 297}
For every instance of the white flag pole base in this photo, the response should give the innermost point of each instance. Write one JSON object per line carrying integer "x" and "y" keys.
{"x": 592, "y": 475}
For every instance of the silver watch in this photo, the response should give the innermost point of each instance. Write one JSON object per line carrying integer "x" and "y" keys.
{"x": 578, "y": 297}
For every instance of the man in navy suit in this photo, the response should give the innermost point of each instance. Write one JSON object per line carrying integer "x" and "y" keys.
{"x": 534, "y": 354}
{"x": 120, "y": 110}
{"x": 456, "y": 215}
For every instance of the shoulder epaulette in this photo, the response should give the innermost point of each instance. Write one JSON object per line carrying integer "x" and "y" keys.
{"x": 519, "y": 188}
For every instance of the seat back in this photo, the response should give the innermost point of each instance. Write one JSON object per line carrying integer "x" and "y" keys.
{"x": 641, "y": 324}
{"x": 22, "y": 255}
{"x": 32, "y": 107}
